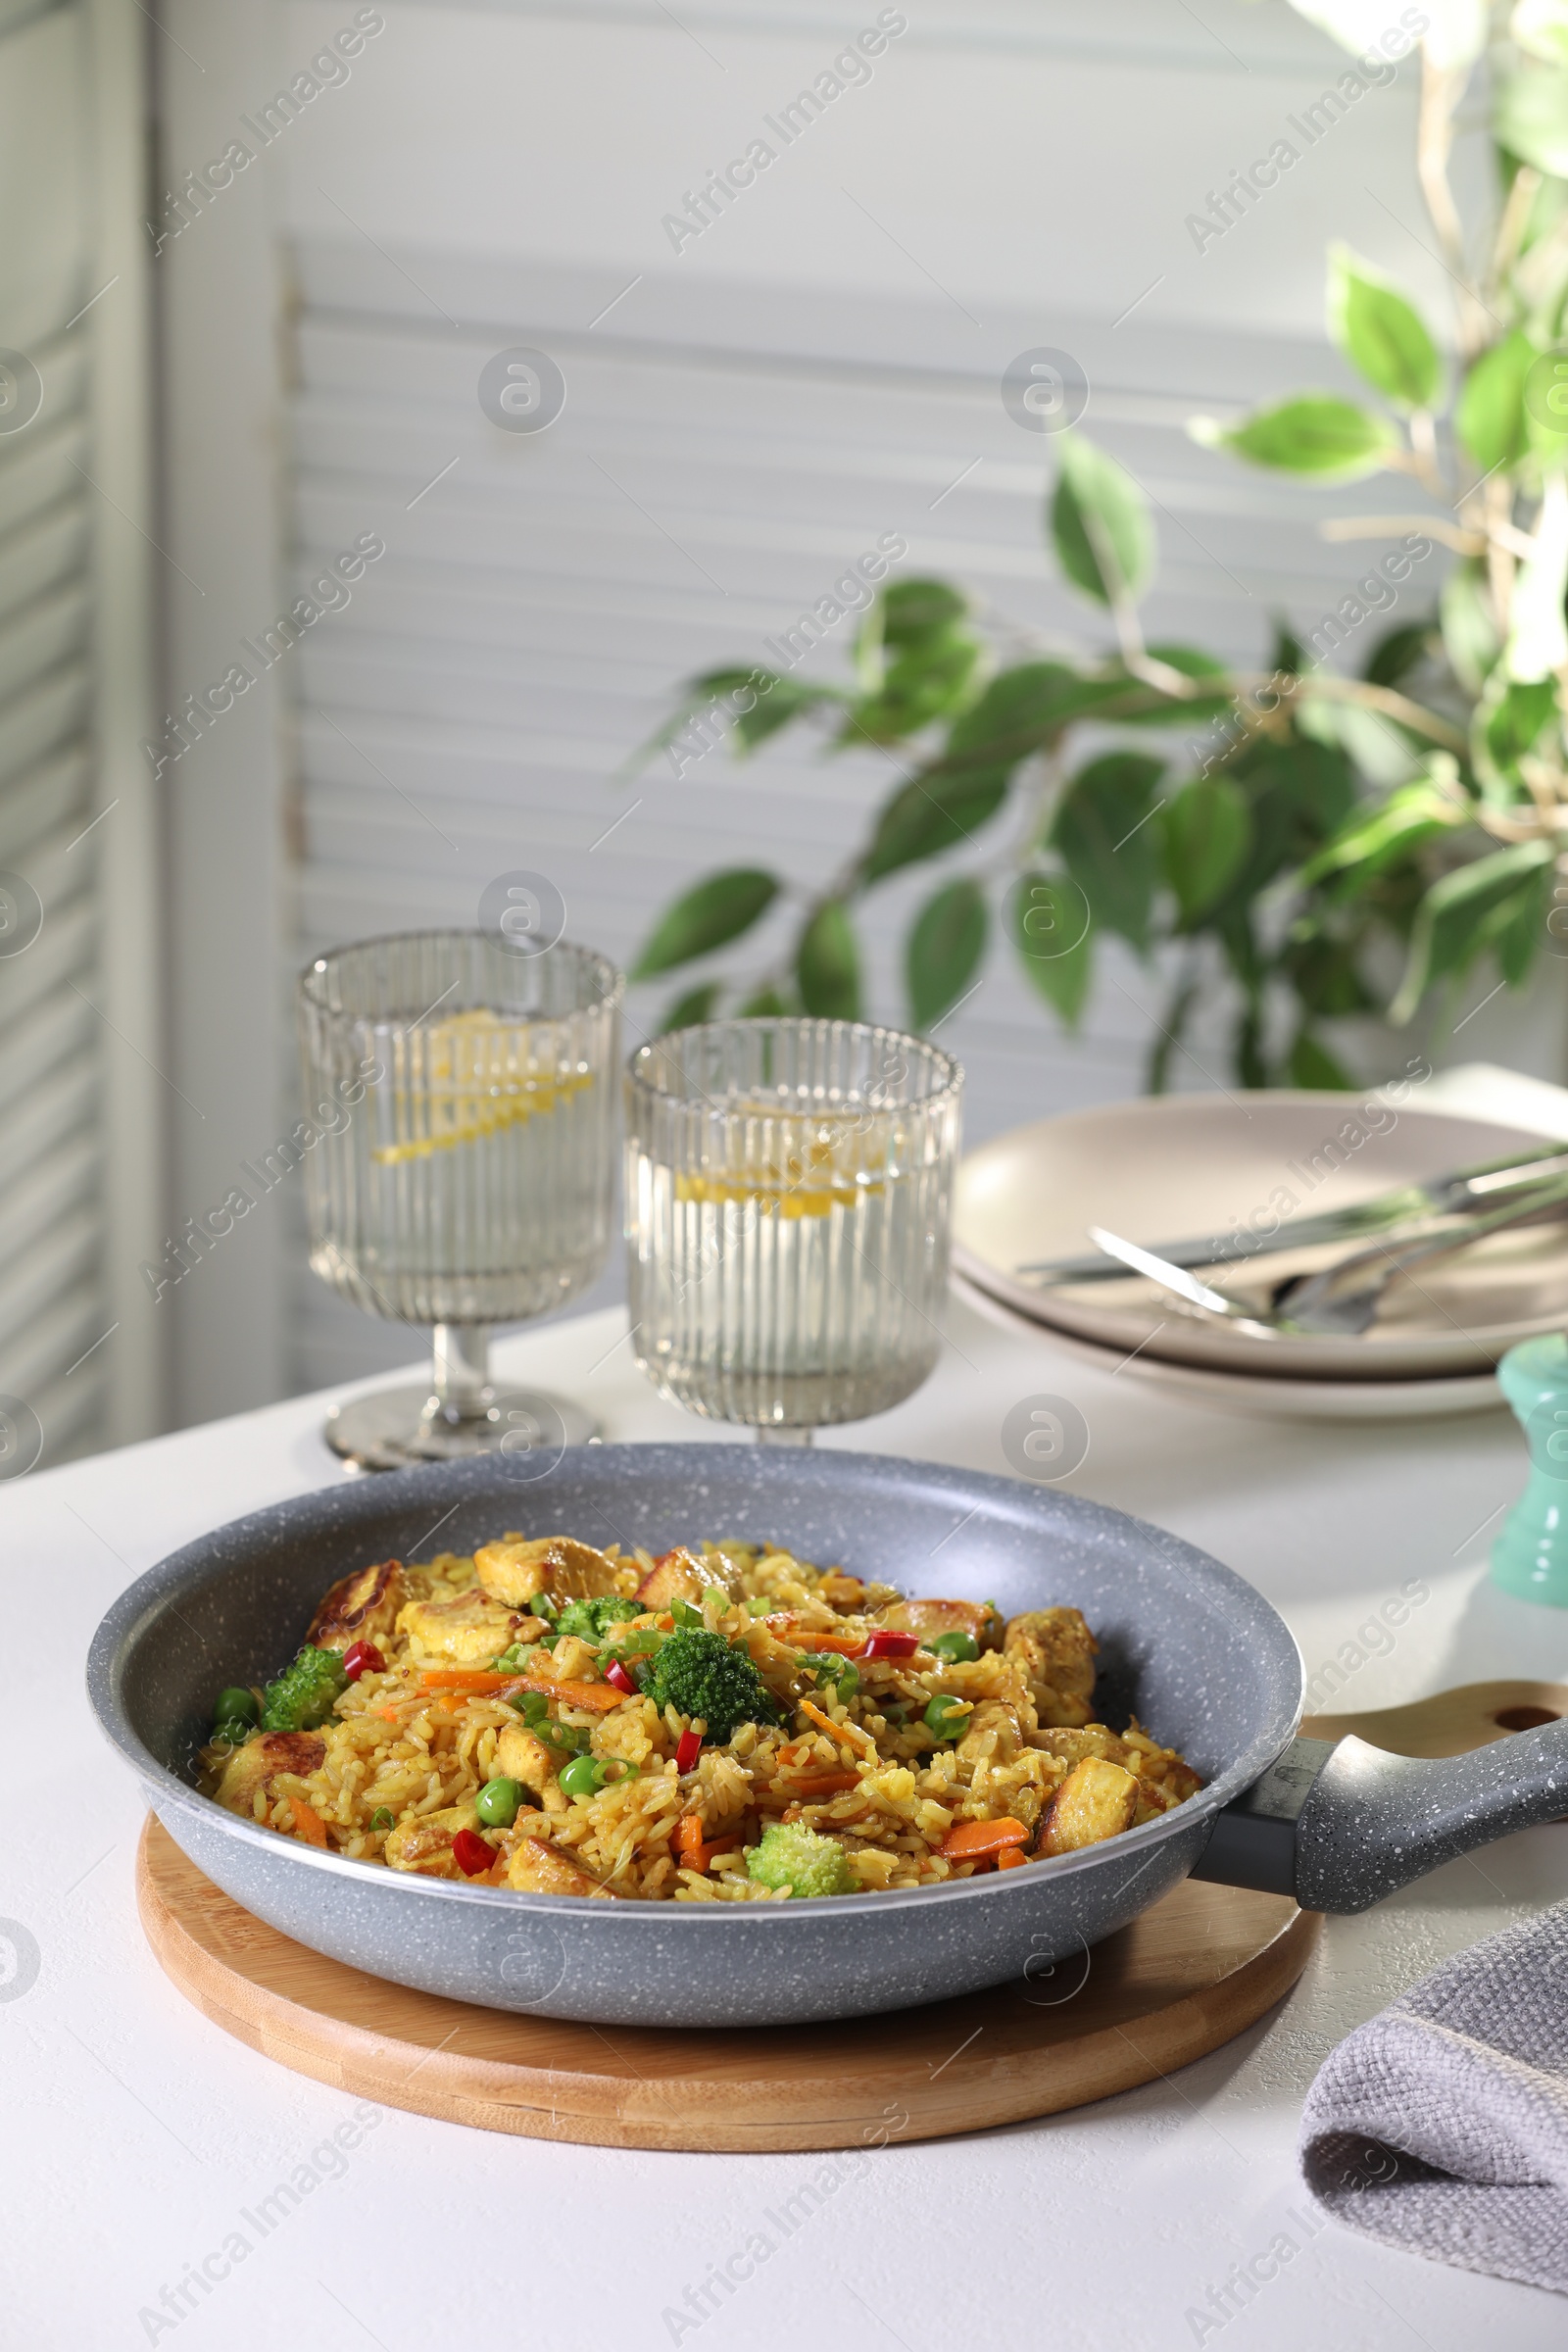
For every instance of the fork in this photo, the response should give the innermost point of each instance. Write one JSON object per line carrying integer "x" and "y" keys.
{"x": 1317, "y": 1305}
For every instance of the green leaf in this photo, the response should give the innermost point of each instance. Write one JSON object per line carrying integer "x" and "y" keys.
{"x": 710, "y": 915}
{"x": 1387, "y": 752}
{"x": 1109, "y": 848}
{"x": 1398, "y": 653}
{"x": 1323, "y": 972}
{"x": 1313, "y": 1065}
{"x": 1099, "y": 522}
{"x": 1530, "y": 117}
{"x": 765, "y": 1005}
{"x": 1462, "y": 913}
{"x": 1541, "y": 27}
{"x": 697, "y": 1004}
{"x": 1049, "y": 921}
{"x": 1288, "y": 653}
{"x": 1246, "y": 1051}
{"x": 827, "y": 964}
{"x": 1514, "y": 721}
{"x": 922, "y": 819}
{"x": 1314, "y": 433}
{"x": 749, "y": 705}
{"x": 1301, "y": 794}
{"x": 928, "y": 681}
{"x": 1522, "y": 936}
{"x": 944, "y": 949}
{"x": 1027, "y": 707}
{"x": 1207, "y": 832}
{"x": 1379, "y": 837}
{"x": 1469, "y": 633}
{"x": 1490, "y": 414}
{"x": 776, "y": 705}
{"x": 916, "y": 609}
{"x": 1380, "y": 334}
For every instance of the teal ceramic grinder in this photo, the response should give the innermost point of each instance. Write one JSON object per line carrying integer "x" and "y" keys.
{"x": 1529, "y": 1558}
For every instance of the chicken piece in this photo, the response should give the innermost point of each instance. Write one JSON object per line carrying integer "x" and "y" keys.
{"x": 1096, "y": 1801}
{"x": 521, "y": 1755}
{"x": 928, "y": 1618}
{"x": 423, "y": 1843}
{"x": 467, "y": 1630}
{"x": 1072, "y": 1743}
{"x": 519, "y": 1566}
{"x": 1057, "y": 1651}
{"x": 993, "y": 1730}
{"x": 679, "y": 1575}
{"x": 255, "y": 1766}
{"x": 538, "y": 1868}
{"x": 1159, "y": 1767}
{"x": 361, "y": 1607}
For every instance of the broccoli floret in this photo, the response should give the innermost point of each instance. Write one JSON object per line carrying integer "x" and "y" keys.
{"x": 801, "y": 1859}
{"x": 703, "y": 1674}
{"x": 591, "y": 1619}
{"x": 302, "y": 1695}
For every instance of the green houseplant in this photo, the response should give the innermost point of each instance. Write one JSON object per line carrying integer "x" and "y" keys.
{"x": 1314, "y": 844}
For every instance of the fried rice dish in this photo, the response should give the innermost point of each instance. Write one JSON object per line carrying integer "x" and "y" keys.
{"x": 722, "y": 1724}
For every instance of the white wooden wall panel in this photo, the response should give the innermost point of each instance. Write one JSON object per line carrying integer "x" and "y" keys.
{"x": 76, "y": 1345}
{"x": 743, "y": 417}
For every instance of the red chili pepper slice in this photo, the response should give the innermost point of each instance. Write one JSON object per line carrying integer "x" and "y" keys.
{"x": 890, "y": 1646}
{"x": 617, "y": 1673}
{"x": 362, "y": 1657}
{"x": 470, "y": 1853}
{"x": 688, "y": 1750}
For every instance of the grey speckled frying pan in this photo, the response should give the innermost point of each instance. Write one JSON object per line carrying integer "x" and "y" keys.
{"x": 1194, "y": 1651}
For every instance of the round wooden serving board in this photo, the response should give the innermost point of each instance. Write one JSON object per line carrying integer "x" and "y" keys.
{"x": 1190, "y": 1973}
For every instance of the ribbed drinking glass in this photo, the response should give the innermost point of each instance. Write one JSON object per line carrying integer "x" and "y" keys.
{"x": 464, "y": 1092}
{"x": 788, "y": 1201}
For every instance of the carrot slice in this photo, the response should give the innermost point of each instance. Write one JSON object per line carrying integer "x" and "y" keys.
{"x": 307, "y": 1822}
{"x": 970, "y": 1840}
{"x": 823, "y": 1783}
{"x": 693, "y": 1855}
{"x": 601, "y": 1696}
{"x": 1012, "y": 1857}
{"x": 850, "y": 1733}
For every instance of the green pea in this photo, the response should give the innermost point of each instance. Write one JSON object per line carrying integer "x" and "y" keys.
{"x": 959, "y": 1647}
{"x": 946, "y": 1717}
{"x": 237, "y": 1706}
{"x": 584, "y": 1775}
{"x": 231, "y": 1734}
{"x": 498, "y": 1803}
{"x": 531, "y": 1706}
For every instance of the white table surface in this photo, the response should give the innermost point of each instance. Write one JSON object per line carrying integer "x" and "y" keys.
{"x": 137, "y": 2136}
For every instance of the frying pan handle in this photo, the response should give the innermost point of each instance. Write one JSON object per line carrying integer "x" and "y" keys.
{"x": 1339, "y": 1825}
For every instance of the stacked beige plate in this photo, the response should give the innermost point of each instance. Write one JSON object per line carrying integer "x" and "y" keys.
{"x": 1178, "y": 1167}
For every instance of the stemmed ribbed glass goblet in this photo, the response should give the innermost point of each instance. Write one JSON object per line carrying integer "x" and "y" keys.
{"x": 465, "y": 1173}
{"x": 788, "y": 1202}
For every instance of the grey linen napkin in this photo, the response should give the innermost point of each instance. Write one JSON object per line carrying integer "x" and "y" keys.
{"x": 1442, "y": 2125}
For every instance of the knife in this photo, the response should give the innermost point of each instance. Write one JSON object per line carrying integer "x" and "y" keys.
{"x": 1407, "y": 1203}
